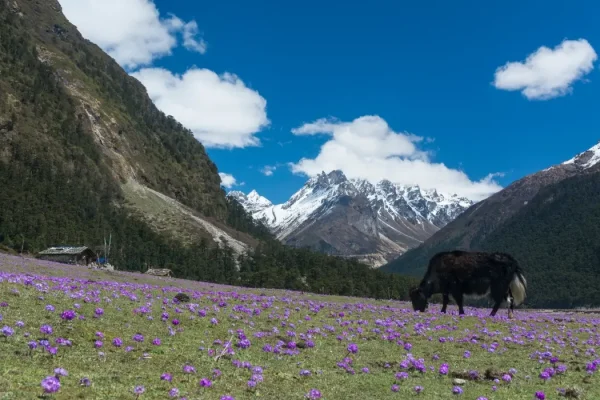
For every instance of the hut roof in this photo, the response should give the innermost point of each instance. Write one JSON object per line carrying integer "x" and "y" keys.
{"x": 64, "y": 250}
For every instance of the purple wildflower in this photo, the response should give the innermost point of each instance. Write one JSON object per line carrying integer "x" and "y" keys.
{"x": 457, "y": 390}
{"x": 205, "y": 382}
{"x": 46, "y": 330}
{"x": 85, "y": 381}
{"x": 138, "y": 337}
{"x": 189, "y": 369}
{"x": 444, "y": 369}
{"x": 138, "y": 390}
{"x": 7, "y": 331}
{"x": 312, "y": 394}
{"x": 50, "y": 384}
{"x": 68, "y": 315}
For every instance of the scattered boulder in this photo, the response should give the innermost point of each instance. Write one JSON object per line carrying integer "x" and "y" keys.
{"x": 493, "y": 373}
{"x": 182, "y": 297}
{"x": 458, "y": 381}
{"x": 571, "y": 393}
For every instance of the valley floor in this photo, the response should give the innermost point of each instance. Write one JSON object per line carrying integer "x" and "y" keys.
{"x": 95, "y": 334}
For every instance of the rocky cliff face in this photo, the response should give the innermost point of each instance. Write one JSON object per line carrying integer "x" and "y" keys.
{"x": 355, "y": 218}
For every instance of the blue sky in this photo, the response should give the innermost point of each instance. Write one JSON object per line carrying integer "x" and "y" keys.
{"x": 423, "y": 68}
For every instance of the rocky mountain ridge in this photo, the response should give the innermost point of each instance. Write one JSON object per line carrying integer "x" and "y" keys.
{"x": 355, "y": 218}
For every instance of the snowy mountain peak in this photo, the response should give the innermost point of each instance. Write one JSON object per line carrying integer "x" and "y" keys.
{"x": 252, "y": 202}
{"x": 324, "y": 180}
{"x": 587, "y": 159}
{"x": 388, "y": 217}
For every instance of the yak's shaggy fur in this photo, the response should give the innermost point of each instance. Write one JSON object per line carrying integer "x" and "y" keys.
{"x": 497, "y": 276}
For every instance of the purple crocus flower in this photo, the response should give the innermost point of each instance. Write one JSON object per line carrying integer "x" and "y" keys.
{"x": 205, "y": 382}
{"x": 50, "y": 384}
{"x": 46, "y": 330}
{"x": 85, "y": 381}
{"x": 68, "y": 315}
{"x": 189, "y": 369}
{"x": 7, "y": 331}
{"x": 313, "y": 394}
{"x": 457, "y": 390}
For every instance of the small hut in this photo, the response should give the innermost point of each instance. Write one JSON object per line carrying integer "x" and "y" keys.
{"x": 68, "y": 255}
{"x": 159, "y": 272}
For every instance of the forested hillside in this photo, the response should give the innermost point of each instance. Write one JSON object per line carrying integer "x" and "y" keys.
{"x": 76, "y": 131}
{"x": 556, "y": 239}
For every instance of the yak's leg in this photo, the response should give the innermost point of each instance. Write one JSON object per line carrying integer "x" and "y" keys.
{"x": 498, "y": 296}
{"x": 445, "y": 300}
{"x": 511, "y": 304}
{"x": 496, "y": 307}
{"x": 458, "y": 297}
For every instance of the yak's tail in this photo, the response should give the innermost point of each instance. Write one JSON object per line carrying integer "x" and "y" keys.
{"x": 518, "y": 287}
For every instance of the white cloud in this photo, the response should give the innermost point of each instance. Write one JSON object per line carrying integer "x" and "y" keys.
{"x": 548, "y": 73}
{"x": 368, "y": 148}
{"x": 268, "y": 170}
{"x": 227, "y": 180}
{"x": 190, "y": 31}
{"x": 219, "y": 109}
{"x": 131, "y": 31}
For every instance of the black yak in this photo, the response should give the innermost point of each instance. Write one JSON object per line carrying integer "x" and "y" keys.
{"x": 497, "y": 276}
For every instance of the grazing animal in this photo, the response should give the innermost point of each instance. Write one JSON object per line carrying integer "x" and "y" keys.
{"x": 475, "y": 274}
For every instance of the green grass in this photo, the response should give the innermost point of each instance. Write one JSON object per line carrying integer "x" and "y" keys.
{"x": 117, "y": 372}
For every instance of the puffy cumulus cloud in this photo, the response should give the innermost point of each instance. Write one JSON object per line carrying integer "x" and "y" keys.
{"x": 131, "y": 31}
{"x": 367, "y": 148}
{"x": 548, "y": 73}
{"x": 220, "y": 109}
{"x": 227, "y": 180}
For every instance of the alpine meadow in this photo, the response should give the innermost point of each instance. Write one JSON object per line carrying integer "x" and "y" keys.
{"x": 209, "y": 200}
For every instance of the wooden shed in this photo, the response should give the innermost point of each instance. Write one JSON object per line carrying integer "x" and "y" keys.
{"x": 68, "y": 255}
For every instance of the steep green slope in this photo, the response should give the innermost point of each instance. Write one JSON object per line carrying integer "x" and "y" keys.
{"x": 141, "y": 142}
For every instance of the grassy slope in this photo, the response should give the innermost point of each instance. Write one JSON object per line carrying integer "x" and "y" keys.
{"x": 115, "y": 373}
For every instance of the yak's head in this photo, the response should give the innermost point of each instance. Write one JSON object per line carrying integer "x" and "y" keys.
{"x": 418, "y": 299}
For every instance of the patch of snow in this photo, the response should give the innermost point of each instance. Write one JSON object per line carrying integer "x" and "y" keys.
{"x": 585, "y": 160}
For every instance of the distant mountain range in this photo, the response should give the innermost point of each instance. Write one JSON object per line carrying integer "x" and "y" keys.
{"x": 548, "y": 220}
{"x": 354, "y": 218}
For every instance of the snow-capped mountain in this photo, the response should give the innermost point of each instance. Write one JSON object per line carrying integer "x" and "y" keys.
{"x": 355, "y": 218}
